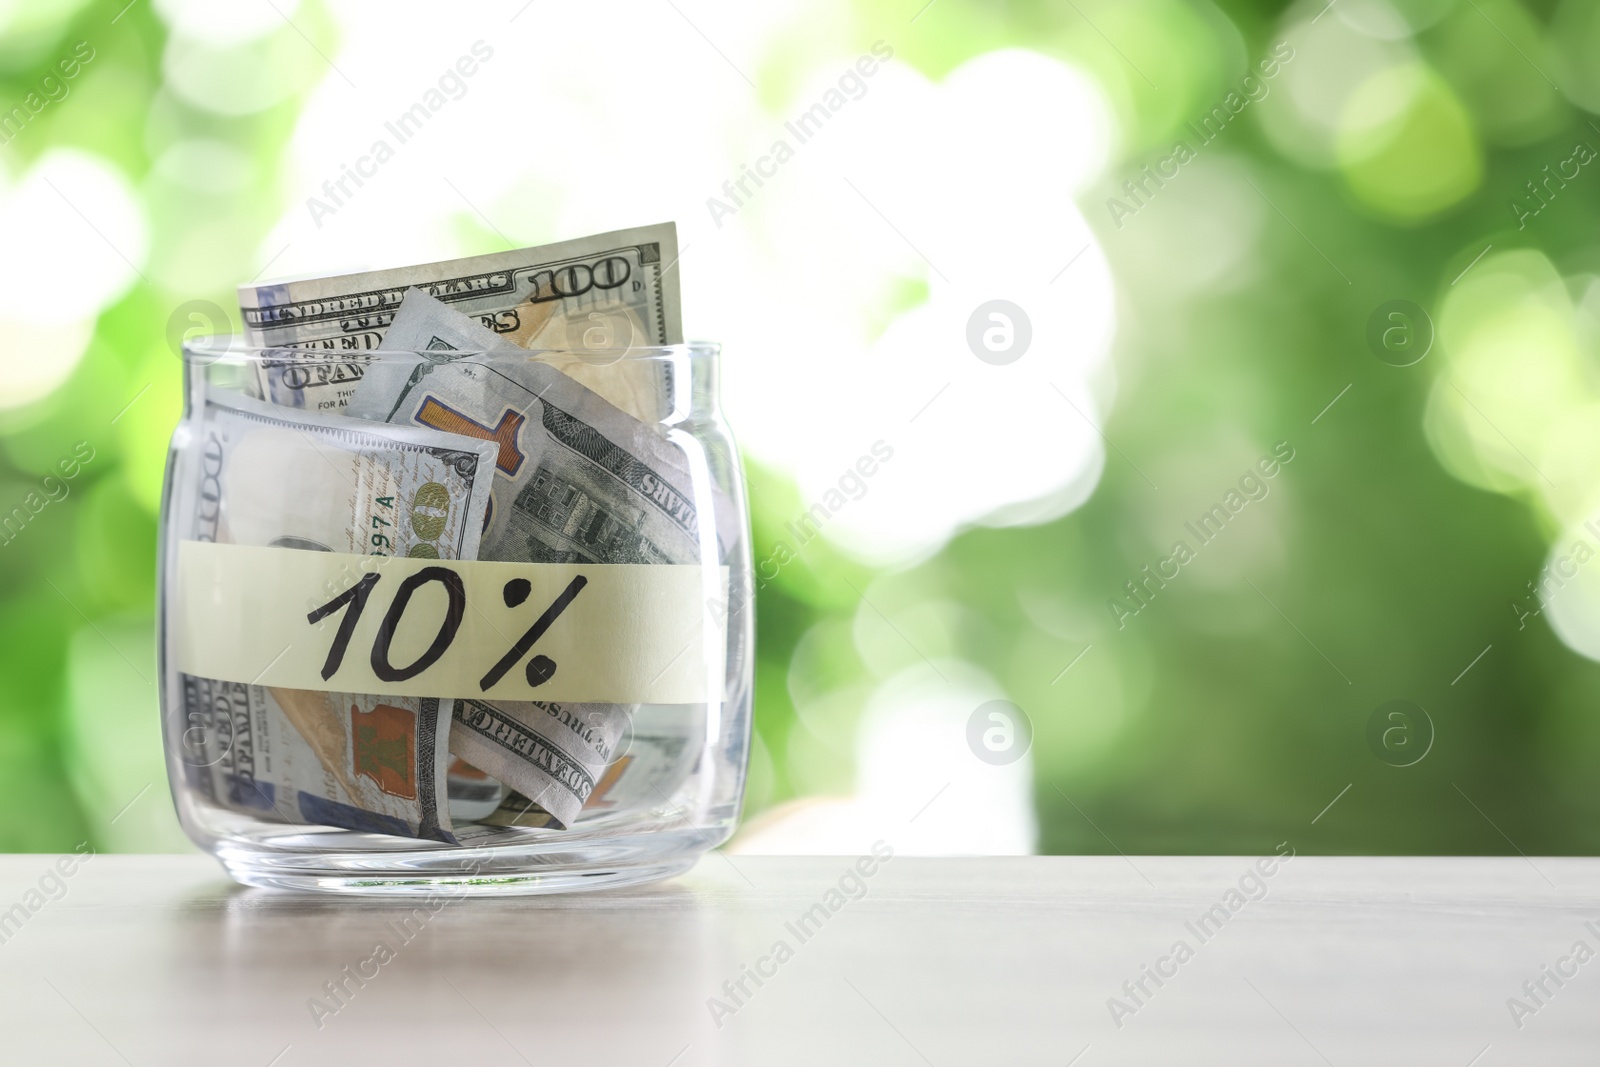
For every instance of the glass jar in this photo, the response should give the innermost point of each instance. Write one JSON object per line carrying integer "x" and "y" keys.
{"x": 454, "y": 621}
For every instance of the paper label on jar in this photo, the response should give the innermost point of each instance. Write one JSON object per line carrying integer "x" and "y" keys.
{"x": 338, "y": 622}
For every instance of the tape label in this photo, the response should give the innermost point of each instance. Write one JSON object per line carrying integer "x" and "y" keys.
{"x": 338, "y": 622}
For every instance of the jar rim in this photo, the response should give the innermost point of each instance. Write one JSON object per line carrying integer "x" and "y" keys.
{"x": 234, "y": 348}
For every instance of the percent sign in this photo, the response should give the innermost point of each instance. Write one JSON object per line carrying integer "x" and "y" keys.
{"x": 540, "y": 669}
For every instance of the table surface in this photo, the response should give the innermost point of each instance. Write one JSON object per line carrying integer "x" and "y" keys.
{"x": 160, "y": 960}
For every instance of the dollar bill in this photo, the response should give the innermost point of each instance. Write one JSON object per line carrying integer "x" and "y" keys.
{"x": 555, "y": 752}
{"x": 576, "y": 481}
{"x": 319, "y": 483}
{"x": 364, "y": 763}
{"x": 603, "y": 293}
{"x": 656, "y": 755}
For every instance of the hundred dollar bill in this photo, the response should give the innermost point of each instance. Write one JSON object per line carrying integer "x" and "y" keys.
{"x": 318, "y": 483}
{"x": 607, "y": 292}
{"x": 576, "y": 481}
{"x": 555, "y": 751}
{"x": 356, "y": 762}
{"x": 658, "y": 752}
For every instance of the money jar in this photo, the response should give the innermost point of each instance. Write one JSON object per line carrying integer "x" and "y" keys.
{"x": 452, "y": 616}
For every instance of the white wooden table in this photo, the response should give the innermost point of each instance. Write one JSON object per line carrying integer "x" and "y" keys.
{"x": 149, "y": 960}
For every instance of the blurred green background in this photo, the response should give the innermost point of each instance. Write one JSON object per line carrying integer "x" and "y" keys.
{"x": 1429, "y": 151}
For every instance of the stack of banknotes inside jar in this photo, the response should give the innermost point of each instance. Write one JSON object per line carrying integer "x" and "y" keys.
{"x": 473, "y": 447}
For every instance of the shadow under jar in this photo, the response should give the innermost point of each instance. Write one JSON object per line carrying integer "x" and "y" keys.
{"x": 462, "y": 622}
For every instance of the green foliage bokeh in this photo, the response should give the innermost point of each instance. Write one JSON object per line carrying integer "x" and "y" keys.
{"x": 1206, "y": 724}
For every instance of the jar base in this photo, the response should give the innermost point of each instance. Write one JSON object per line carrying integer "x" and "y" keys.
{"x": 578, "y": 878}
{"x": 339, "y": 861}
